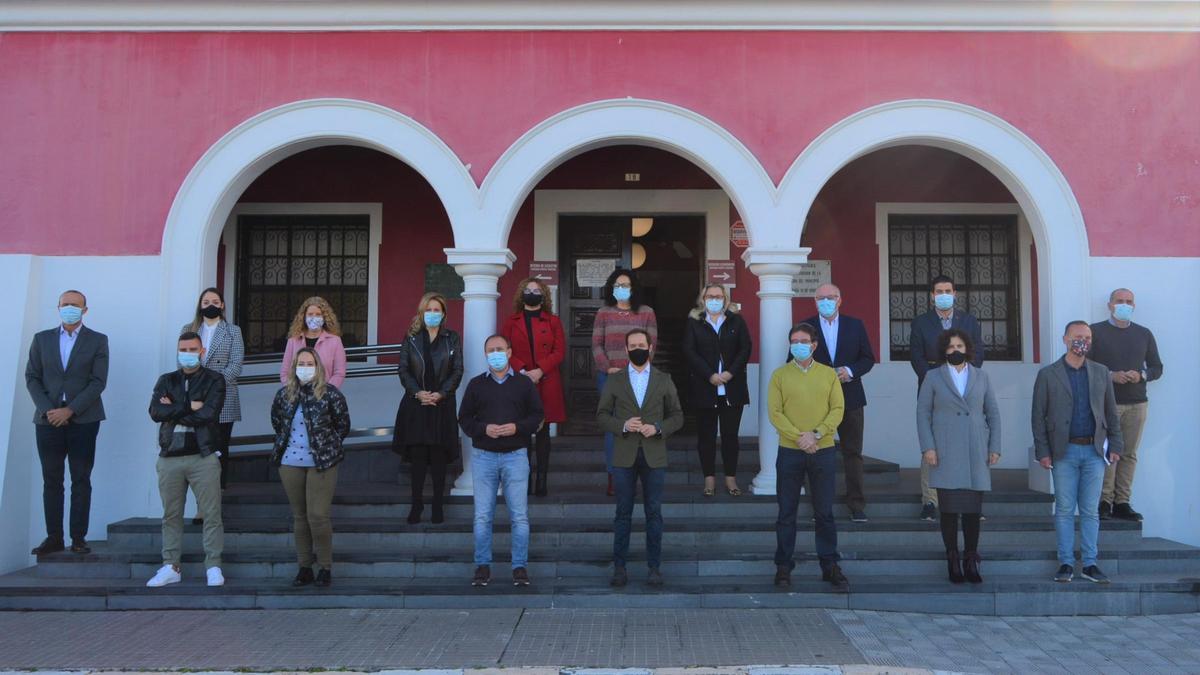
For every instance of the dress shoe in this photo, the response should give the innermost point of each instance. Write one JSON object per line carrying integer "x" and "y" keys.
{"x": 783, "y": 576}
{"x": 833, "y": 574}
{"x": 48, "y": 546}
{"x": 654, "y": 578}
{"x": 80, "y": 546}
{"x": 619, "y": 578}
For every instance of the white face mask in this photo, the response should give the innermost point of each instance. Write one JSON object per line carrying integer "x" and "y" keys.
{"x": 306, "y": 373}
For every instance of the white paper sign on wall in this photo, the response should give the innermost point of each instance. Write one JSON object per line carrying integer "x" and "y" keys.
{"x": 593, "y": 272}
{"x": 810, "y": 277}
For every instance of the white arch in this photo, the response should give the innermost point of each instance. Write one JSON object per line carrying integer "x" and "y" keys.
{"x": 215, "y": 183}
{"x": 636, "y": 121}
{"x": 1025, "y": 169}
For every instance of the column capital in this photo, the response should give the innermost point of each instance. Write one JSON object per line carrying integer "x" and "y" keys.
{"x": 766, "y": 261}
{"x": 485, "y": 261}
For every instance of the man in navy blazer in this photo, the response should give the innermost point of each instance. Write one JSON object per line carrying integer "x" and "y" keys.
{"x": 65, "y": 375}
{"x": 923, "y": 338}
{"x": 852, "y": 357}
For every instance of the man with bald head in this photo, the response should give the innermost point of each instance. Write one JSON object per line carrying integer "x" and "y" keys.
{"x": 1130, "y": 352}
{"x": 846, "y": 348}
{"x": 66, "y": 373}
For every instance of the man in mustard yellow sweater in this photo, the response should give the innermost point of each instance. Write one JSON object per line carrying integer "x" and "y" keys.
{"x": 806, "y": 406}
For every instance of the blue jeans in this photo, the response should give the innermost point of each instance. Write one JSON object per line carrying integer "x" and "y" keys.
{"x": 489, "y": 471}
{"x": 601, "y": 378}
{"x": 1078, "y": 479}
{"x": 791, "y": 467}
{"x": 625, "y": 485}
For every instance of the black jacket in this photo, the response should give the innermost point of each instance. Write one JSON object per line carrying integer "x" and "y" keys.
{"x": 704, "y": 349}
{"x": 853, "y": 351}
{"x": 446, "y": 352}
{"x": 206, "y": 386}
{"x": 923, "y": 338}
{"x": 326, "y": 419}
{"x": 486, "y": 401}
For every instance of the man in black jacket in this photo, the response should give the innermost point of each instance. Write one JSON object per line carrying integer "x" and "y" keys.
{"x": 187, "y": 405}
{"x": 67, "y": 371}
{"x": 923, "y": 337}
{"x": 500, "y": 412}
{"x": 846, "y": 348}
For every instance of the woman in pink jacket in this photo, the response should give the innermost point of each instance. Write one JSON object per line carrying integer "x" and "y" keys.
{"x": 316, "y": 327}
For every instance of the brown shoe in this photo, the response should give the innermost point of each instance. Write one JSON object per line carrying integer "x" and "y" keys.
{"x": 483, "y": 574}
{"x": 619, "y": 578}
{"x": 48, "y": 546}
{"x": 783, "y": 576}
{"x": 520, "y": 577}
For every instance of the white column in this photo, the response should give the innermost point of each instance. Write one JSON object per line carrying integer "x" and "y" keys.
{"x": 775, "y": 269}
{"x": 481, "y": 270}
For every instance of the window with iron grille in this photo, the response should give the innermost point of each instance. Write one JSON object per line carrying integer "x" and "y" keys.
{"x": 979, "y": 252}
{"x": 283, "y": 259}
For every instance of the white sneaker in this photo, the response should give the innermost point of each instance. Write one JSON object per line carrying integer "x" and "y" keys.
{"x": 165, "y": 575}
{"x": 215, "y": 578}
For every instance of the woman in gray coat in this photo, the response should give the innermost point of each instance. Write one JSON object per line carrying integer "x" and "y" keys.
{"x": 958, "y": 423}
{"x": 223, "y": 353}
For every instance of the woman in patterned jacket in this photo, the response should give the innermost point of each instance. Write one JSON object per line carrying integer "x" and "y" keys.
{"x": 310, "y": 418}
{"x": 223, "y": 352}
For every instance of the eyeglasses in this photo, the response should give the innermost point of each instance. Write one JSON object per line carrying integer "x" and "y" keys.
{"x": 622, "y": 285}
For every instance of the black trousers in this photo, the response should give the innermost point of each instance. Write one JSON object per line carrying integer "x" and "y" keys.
{"x": 729, "y": 417}
{"x": 74, "y": 446}
{"x": 850, "y": 444}
{"x": 226, "y": 432}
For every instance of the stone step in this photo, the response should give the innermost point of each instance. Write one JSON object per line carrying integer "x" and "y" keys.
{"x": 715, "y": 532}
{"x": 1149, "y": 556}
{"x": 998, "y": 595}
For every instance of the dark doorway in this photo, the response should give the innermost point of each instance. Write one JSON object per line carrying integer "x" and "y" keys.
{"x": 671, "y": 256}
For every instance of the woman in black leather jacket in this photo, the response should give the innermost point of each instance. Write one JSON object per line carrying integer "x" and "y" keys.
{"x": 426, "y": 434}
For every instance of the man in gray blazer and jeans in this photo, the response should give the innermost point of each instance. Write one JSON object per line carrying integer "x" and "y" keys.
{"x": 67, "y": 371}
{"x": 1076, "y": 434}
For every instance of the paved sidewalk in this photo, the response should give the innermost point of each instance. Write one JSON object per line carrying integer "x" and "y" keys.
{"x": 554, "y": 640}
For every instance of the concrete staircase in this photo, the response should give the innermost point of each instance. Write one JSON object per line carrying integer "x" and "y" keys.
{"x": 717, "y": 551}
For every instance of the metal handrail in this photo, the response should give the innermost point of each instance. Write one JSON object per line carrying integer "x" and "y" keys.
{"x": 363, "y": 350}
{"x": 363, "y": 432}
{"x": 367, "y": 371}
{"x": 351, "y": 352}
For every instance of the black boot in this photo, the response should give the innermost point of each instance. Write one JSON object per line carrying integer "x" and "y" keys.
{"x": 414, "y": 513}
{"x": 971, "y": 562}
{"x": 304, "y": 577}
{"x": 954, "y": 565}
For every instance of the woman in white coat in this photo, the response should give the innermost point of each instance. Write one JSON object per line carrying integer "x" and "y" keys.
{"x": 958, "y": 423}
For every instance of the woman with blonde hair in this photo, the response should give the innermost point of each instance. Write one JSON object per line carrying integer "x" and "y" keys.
{"x": 538, "y": 348}
{"x": 311, "y": 419}
{"x": 316, "y": 327}
{"x": 716, "y": 345}
{"x": 426, "y": 434}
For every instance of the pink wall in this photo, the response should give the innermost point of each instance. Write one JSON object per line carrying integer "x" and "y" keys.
{"x": 99, "y": 130}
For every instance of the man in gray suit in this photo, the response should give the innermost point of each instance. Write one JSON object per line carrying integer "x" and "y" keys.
{"x": 67, "y": 371}
{"x": 1076, "y": 434}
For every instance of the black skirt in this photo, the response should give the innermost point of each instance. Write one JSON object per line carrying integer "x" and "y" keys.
{"x": 426, "y": 425}
{"x": 960, "y": 501}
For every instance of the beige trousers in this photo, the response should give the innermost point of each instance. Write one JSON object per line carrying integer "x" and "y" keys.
{"x": 1118, "y": 478}
{"x": 203, "y": 475}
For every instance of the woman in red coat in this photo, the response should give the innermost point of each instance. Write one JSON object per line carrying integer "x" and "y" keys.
{"x": 538, "y": 348}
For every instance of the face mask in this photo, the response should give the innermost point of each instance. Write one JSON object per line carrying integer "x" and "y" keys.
{"x": 188, "y": 360}
{"x": 826, "y": 307}
{"x": 622, "y": 294}
{"x": 801, "y": 351}
{"x": 306, "y": 373}
{"x": 714, "y": 306}
{"x": 532, "y": 299}
{"x": 639, "y": 357}
{"x": 1080, "y": 347}
{"x": 1123, "y": 312}
{"x": 433, "y": 319}
{"x": 70, "y": 314}
{"x": 497, "y": 361}
{"x": 210, "y": 312}
{"x": 314, "y": 322}
{"x": 956, "y": 358}
{"x": 943, "y": 301}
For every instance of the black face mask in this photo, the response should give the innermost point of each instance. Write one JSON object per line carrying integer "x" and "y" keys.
{"x": 532, "y": 299}
{"x": 956, "y": 358}
{"x": 639, "y": 357}
{"x": 210, "y": 312}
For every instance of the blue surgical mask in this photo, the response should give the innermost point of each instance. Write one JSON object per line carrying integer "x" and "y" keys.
{"x": 1123, "y": 312}
{"x": 497, "y": 361}
{"x": 714, "y": 306}
{"x": 314, "y": 322}
{"x": 801, "y": 351}
{"x": 622, "y": 294}
{"x": 943, "y": 301}
{"x": 827, "y": 307}
{"x": 433, "y": 319}
{"x": 188, "y": 360}
{"x": 70, "y": 314}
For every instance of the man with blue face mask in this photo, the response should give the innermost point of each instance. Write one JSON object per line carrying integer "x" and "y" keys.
{"x": 923, "y": 354}
{"x": 846, "y": 348}
{"x": 1130, "y": 352}
{"x": 500, "y": 412}
{"x": 65, "y": 375}
{"x": 187, "y": 405}
{"x": 806, "y": 406}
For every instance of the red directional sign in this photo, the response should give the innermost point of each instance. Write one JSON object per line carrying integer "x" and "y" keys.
{"x": 722, "y": 272}
{"x": 545, "y": 271}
